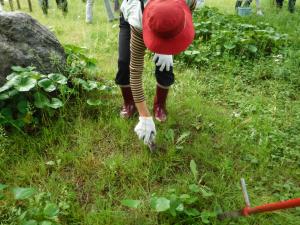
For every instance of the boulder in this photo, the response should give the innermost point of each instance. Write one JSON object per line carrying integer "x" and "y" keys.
{"x": 25, "y": 42}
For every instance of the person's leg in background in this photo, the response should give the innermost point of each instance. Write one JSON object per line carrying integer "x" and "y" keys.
{"x": 1, "y": 4}
{"x": 116, "y": 5}
{"x": 164, "y": 81}
{"x": 258, "y": 8}
{"x": 291, "y": 6}
{"x": 44, "y": 5}
{"x": 89, "y": 11}
{"x": 238, "y": 3}
{"x": 279, "y": 3}
{"x": 122, "y": 76}
{"x": 109, "y": 11}
{"x": 63, "y": 5}
{"x": 247, "y": 3}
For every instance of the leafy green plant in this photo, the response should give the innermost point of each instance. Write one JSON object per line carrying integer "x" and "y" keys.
{"x": 218, "y": 35}
{"x": 78, "y": 63}
{"x": 180, "y": 207}
{"x": 3, "y": 140}
{"x": 28, "y": 95}
{"x": 61, "y": 4}
{"x": 27, "y": 206}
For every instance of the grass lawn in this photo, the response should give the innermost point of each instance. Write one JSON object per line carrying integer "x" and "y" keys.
{"x": 233, "y": 119}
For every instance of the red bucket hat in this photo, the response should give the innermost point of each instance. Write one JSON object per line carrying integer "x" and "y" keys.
{"x": 167, "y": 26}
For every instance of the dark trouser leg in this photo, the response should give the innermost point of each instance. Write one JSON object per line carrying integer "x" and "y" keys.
{"x": 292, "y": 5}
{"x": 116, "y": 5}
{"x": 279, "y": 3}
{"x": 164, "y": 78}
{"x": 45, "y": 6}
{"x": 247, "y": 3}
{"x": 238, "y": 3}
{"x": 64, "y": 5}
{"x": 122, "y": 76}
{"x": 109, "y": 11}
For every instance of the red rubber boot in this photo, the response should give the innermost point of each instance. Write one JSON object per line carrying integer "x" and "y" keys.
{"x": 159, "y": 109}
{"x": 128, "y": 108}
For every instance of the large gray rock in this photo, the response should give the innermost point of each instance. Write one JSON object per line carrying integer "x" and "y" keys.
{"x": 25, "y": 42}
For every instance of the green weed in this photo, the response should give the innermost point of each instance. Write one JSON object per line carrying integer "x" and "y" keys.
{"x": 219, "y": 35}
{"x": 234, "y": 117}
{"x": 28, "y": 98}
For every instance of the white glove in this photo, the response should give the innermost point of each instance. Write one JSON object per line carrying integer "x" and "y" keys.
{"x": 163, "y": 61}
{"x": 260, "y": 13}
{"x": 145, "y": 129}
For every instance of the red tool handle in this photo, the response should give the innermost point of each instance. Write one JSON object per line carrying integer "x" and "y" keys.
{"x": 272, "y": 206}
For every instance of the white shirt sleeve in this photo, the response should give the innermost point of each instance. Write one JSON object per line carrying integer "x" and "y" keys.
{"x": 132, "y": 12}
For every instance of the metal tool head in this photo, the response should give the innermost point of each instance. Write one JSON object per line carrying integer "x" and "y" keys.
{"x": 152, "y": 147}
{"x": 151, "y": 144}
{"x": 231, "y": 214}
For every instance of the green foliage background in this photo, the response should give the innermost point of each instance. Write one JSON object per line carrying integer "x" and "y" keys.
{"x": 234, "y": 117}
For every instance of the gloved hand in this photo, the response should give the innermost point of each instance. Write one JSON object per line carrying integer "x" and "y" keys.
{"x": 165, "y": 61}
{"x": 145, "y": 129}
